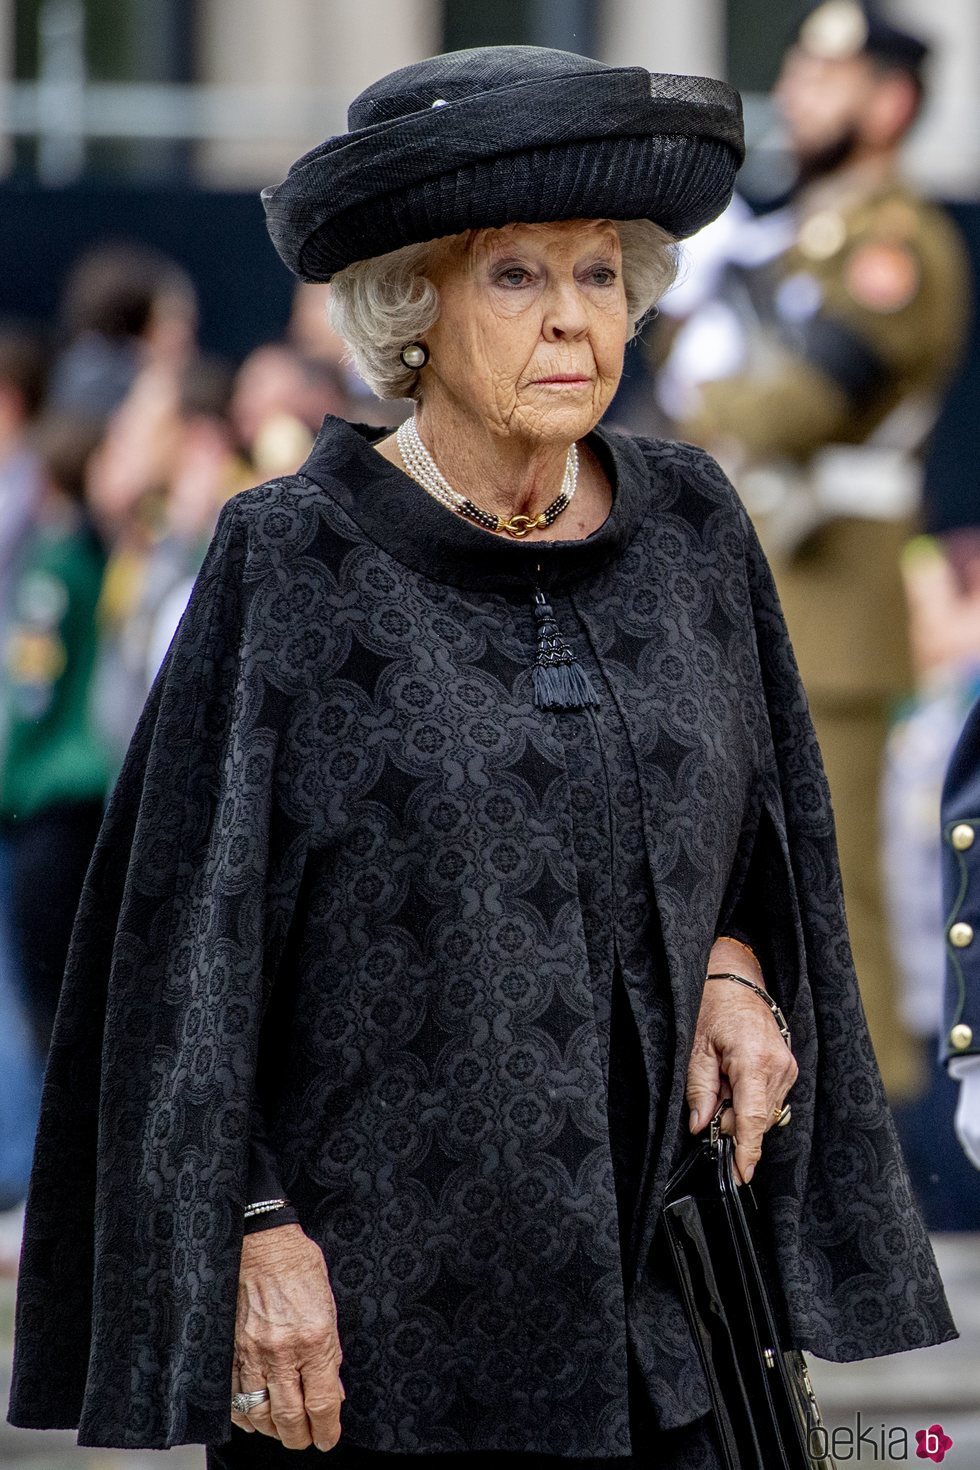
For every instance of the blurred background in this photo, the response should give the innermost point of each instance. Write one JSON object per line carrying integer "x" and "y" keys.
{"x": 156, "y": 358}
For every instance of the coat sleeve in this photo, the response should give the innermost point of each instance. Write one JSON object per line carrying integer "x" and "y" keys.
{"x": 265, "y": 1178}
{"x": 127, "y": 1291}
{"x": 857, "y": 1268}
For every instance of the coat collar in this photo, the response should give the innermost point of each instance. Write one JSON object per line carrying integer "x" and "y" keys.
{"x": 400, "y": 517}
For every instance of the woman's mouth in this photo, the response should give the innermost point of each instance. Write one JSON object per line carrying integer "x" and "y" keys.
{"x": 565, "y": 380}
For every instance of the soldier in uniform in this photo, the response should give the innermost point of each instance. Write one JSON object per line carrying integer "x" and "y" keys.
{"x": 823, "y": 356}
{"x": 960, "y": 1044}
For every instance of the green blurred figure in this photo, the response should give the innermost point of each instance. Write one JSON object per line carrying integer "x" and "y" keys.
{"x": 54, "y": 774}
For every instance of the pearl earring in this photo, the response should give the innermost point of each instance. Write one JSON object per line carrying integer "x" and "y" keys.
{"x": 414, "y": 355}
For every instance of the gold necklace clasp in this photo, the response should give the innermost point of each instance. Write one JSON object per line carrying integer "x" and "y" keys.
{"x": 520, "y": 525}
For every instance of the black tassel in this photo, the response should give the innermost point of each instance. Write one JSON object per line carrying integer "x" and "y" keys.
{"x": 560, "y": 682}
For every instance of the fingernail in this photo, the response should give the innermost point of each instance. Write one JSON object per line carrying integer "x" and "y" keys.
{"x": 749, "y": 1171}
{"x": 695, "y": 1117}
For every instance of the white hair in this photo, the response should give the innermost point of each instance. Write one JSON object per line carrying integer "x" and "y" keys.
{"x": 380, "y": 305}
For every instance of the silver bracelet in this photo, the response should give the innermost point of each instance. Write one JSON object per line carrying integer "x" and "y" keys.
{"x": 265, "y": 1207}
{"x": 764, "y": 995}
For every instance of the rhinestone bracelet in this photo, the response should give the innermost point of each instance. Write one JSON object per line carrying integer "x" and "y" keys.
{"x": 265, "y": 1207}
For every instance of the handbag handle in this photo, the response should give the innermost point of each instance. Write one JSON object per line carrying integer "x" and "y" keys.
{"x": 714, "y": 1127}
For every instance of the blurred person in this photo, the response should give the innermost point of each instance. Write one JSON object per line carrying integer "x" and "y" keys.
{"x": 313, "y": 335}
{"x": 144, "y": 309}
{"x": 20, "y": 1093}
{"x": 149, "y": 577}
{"x": 126, "y": 495}
{"x": 310, "y": 330}
{"x": 135, "y": 456}
{"x": 126, "y": 482}
{"x": 474, "y": 809}
{"x": 960, "y": 1041}
{"x": 23, "y": 370}
{"x": 207, "y": 469}
{"x": 824, "y": 352}
{"x": 918, "y": 751}
{"x": 170, "y": 335}
{"x": 943, "y": 582}
{"x": 23, "y": 373}
{"x": 125, "y": 306}
{"x": 54, "y": 773}
{"x": 279, "y": 402}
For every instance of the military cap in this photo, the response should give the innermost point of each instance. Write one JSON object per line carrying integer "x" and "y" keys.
{"x": 839, "y": 29}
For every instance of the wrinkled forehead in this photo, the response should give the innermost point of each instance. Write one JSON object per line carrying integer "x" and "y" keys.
{"x": 552, "y": 237}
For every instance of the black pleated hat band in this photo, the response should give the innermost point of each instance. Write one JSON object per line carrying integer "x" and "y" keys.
{"x": 553, "y": 136}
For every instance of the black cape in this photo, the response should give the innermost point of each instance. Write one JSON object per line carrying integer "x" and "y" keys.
{"x": 341, "y": 840}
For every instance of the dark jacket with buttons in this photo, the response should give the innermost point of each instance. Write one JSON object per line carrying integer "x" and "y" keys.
{"x": 337, "y": 872}
{"x": 961, "y": 894}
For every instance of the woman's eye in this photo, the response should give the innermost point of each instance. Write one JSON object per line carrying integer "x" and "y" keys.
{"x": 602, "y": 275}
{"x": 514, "y": 275}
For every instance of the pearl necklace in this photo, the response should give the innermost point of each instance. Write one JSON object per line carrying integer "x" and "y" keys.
{"x": 423, "y": 469}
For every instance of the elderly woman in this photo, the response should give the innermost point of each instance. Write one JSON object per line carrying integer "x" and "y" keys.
{"x": 480, "y": 746}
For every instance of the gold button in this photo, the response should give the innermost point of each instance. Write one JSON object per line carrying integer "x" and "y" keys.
{"x": 961, "y": 1037}
{"x": 822, "y": 235}
{"x": 962, "y": 836}
{"x": 961, "y": 935}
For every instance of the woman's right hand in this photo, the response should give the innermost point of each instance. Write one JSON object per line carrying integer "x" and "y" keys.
{"x": 286, "y": 1340}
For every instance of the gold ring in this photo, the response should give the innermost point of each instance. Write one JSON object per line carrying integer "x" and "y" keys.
{"x": 782, "y": 1115}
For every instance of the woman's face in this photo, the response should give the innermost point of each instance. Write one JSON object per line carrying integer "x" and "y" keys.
{"x": 531, "y": 330}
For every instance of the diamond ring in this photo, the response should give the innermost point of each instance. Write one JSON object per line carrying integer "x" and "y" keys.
{"x": 244, "y": 1403}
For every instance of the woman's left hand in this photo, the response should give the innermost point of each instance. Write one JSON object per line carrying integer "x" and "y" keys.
{"x": 286, "y": 1340}
{"x": 738, "y": 1052}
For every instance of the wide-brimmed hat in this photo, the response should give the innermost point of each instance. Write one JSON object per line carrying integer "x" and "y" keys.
{"x": 487, "y": 137}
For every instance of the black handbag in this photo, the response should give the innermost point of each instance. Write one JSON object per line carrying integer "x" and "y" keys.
{"x": 765, "y": 1411}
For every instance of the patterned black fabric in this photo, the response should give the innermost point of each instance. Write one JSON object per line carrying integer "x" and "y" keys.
{"x": 344, "y": 858}
{"x": 692, "y": 1447}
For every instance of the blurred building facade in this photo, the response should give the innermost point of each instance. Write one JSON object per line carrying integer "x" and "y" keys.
{"x": 226, "y": 92}
{"x": 304, "y": 45}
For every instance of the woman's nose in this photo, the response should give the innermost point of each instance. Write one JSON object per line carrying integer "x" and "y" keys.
{"x": 566, "y": 313}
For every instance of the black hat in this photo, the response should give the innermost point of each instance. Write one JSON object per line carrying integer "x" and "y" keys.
{"x": 838, "y": 29}
{"x": 487, "y": 137}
